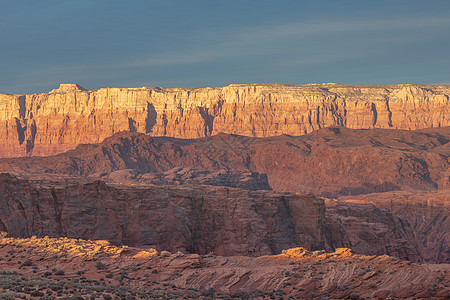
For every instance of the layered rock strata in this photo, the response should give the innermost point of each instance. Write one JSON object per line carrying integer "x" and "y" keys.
{"x": 329, "y": 162}
{"x": 251, "y": 181}
{"x": 421, "y": 218}
{"x": 45, "y": 124}
{"x": 100, "y": 269}
{"x": 197, "y": 219}
{"x": 409, "y": 222}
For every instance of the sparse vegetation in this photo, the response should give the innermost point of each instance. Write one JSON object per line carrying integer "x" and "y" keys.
{"x": 99, "y": 278}
{"x": 165, "y": 253}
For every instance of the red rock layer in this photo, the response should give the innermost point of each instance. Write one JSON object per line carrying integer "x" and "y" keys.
{"x": 227, "y": 221}
{"x": 133, "y": 273}
{"x": 328, "y": 162}
{"x": 195, "y": 219}
{"x": 44, "y": 124}
{"x": 420, "y": 217}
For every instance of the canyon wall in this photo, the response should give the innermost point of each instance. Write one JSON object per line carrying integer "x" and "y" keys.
{"x": 50, "y": 123}
{"x": 421, "y": 217}
{"x": 196, "y": 219}
{"x": 226, "y": 221}
{"x": 328, "y": 162}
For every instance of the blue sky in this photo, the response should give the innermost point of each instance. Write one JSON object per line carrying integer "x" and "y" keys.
{"x": 100, "y": 43}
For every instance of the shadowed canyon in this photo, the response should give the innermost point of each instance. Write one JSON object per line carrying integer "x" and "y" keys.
{"x": 229, "y": 179}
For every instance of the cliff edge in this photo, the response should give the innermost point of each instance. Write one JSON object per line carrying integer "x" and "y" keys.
{"x": 50, "y": 123}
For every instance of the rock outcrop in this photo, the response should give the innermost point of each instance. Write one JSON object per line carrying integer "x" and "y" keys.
{"x": 374, "y": 223}
{"x": 251, "y": 181}
{"x": 147, "y": 274}
{"x": 45, "y": 124}
{"x": 329, "y": 162}
{"x": 196, "y": 219}
{"x": 407, "y": 218}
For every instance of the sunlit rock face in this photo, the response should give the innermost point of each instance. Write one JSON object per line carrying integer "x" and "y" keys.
{"x": 50, "y": 123}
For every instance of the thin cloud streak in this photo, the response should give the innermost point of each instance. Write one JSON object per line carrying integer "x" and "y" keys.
{"x": 316, "y": 28}
{"x": 321, "y": 59}
{"x": 254, "y": 40}
{"x": 299, "y": 44}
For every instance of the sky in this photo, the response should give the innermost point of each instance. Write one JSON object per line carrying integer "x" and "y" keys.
{"x": 198, "y": 43}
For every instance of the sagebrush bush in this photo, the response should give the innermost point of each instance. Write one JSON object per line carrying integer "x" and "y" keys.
{"x": 165, "y": 253}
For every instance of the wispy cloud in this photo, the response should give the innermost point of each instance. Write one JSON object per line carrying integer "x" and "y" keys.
{"x": 270, "y": 39}
{"x": 329, "y": 27}
{"x": 293, "y": 44}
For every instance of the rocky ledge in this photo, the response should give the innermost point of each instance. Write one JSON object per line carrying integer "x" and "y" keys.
{"x": 50, "y": 123}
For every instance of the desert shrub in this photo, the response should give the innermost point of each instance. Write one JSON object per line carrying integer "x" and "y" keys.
{"x": 164, "y": 253}
{"x": 209, "y": 292}
{"x": 9, "y": 295}
{"x": 37, "y": 294}
{"x": 100, "y": 266}
{"x": 67, "y": 286}
{"x": 3, "y": 234}
{"x": 312, "y": 294}
{"x": 27, "y": 263}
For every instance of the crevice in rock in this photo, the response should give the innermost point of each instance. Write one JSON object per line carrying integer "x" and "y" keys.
{"x": 32, "y": 137}
{"x": 374, "y": 114}
{"x": 22, "y": 106}
{"x": 57, "y": 207}
{"x": 20, "y": 131}
{"x": 132, "y": 125}
{"x": 150, "y": 120}
{"x": 3, "y": 227}
{"x": 209, "y": 120}
{"x": 389, "y": 114}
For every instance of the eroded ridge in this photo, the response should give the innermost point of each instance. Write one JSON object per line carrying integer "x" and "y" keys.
{"x": 74, "y": 267}
{"x": 50, "y": 123}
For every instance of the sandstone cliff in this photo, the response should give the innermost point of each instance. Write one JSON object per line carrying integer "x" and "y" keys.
{"x": 195, "y": 219}
{"x": 44, "y": 124}
{"x": 227, "y": 221}
{"x": 421, "y": 218}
